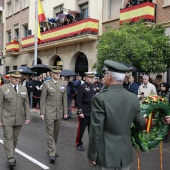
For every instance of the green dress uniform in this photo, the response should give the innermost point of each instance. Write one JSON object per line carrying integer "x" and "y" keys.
{"x": 13, "y": 107}
{"x": 53, "y": 105}
{"x": 113, "y": 112}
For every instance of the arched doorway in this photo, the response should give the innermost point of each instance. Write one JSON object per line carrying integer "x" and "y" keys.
{"x": 38, "y": 61}
{"x": 81, "y": 64}
{"x": 58, "y": 62}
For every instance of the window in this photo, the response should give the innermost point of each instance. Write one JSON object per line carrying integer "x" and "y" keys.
{"x": 14, "y": 67}
{"x": 25, "y": 3}
{"x": 84, "y": 11}
{"x": 17, "y": 6}
{"x": 9, "y": 8}
{"x": 7, "y": 69}
{"x": 0, "y": 16}
{"x": 58, "y": 10}
{"x": 16, "y": 32}
{"x": 25, "y": 30}
{"x": 8, "y": 33}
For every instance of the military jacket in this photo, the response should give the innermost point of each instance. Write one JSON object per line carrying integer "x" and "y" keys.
{"x": 53, "y": 101}
{"x": 13, "y": 106}
{"x": 84, "y": 95}
{"x": 113, "y": 112}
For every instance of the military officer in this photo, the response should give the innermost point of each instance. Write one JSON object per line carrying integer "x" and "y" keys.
{"x": 83, "y": 101}
{"x": 53, "y": 107}
{"x": 113, "y": 112}
{"x": 14, "y": 104}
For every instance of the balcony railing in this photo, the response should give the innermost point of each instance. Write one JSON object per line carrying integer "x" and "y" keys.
{"x": 145, "y": 11}
{"x": 86, "y": 26}
{"x": 12, "y": 47}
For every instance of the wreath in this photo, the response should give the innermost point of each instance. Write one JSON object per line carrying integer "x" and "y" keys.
{"x": 154, "y": 109}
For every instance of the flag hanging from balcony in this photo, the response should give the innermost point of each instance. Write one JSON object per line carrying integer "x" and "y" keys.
{"x": 145, "y": 11}
{"x": 41, "y": 18}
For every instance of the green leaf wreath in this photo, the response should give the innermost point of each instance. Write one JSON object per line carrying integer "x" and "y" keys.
{"x": 159, "y": 108}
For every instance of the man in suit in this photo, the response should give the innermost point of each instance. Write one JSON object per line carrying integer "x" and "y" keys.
{"x": 14, "y": 104}
{"x": 133, "y": 87}
{"x": 110, "y": 144}
{"x": 53, "y": 106}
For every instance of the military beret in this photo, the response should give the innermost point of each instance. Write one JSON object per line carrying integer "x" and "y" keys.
{"x": 14, "y": 73}
{"x": 115, "y": 66}
{"x": 56, "y": 69}
{"x": 89, "y": 74}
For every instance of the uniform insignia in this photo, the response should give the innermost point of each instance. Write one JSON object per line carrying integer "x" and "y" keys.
{"x": 62, "y": 89}
{"x": 7, "y": 91}
{"x": 87, "y": 89}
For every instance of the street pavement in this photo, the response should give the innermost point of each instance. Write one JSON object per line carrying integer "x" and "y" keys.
{"x": 31, "y": 153}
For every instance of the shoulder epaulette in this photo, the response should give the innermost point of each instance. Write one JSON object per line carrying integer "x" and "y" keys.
{"x": 101, "y": 91}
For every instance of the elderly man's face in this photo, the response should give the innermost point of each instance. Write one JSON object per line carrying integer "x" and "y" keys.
{"x": 14, "y": 80}
{"x": 145, "y": 79}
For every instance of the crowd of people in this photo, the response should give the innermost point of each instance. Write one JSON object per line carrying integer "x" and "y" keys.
{"x": 135, "y": 2}
{"x": 97, "y": 101}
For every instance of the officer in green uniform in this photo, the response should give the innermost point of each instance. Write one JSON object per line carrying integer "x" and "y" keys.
{"x": 113, "y": 112}
{"x": 14, "y": 104}
{"x": 53, "y": 107}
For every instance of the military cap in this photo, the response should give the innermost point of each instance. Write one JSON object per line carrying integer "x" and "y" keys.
{"x": 56, "y": 69}
{"x": 114, "y": 66}
{"x": 14, "y": 73}
{"x": 89, "y": 74}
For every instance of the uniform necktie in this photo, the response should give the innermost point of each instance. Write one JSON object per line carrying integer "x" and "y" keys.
{"x": 15, "y": 88}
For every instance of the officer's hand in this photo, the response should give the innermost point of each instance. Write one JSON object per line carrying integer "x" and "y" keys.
{"x": 92, "y": 162}
{"x": 27, "y": 122}
{"x": 42, "y": 117}
{"x": 81, "y": 115}
{"x": 0, "y": 124}
{"x": 65, "y": 116}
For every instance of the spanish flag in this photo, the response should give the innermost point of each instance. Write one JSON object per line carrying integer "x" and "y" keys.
{"x": 41, "y": 18}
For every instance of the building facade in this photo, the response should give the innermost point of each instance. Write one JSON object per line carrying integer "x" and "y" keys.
{"x": 72, "y": 46}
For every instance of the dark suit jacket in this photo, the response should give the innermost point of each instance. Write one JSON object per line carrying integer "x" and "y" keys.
{"x": 113, "y": 112}
{"x": 133, "y": 88}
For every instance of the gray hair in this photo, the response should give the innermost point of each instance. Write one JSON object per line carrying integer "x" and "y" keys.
{"x": 117, "y": 76}
{"x": 146, "y": 76}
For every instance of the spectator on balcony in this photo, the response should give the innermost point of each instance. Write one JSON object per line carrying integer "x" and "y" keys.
{"x": 15, "y": 39}
{"x": 129, "y": 3}
{"x": 135, "y": 2}
{"x": 41, "y": 29}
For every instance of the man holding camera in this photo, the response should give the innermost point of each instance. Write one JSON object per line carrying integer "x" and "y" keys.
{"x": 146, "y": 89}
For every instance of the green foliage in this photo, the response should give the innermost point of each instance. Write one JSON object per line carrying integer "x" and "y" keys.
{"x": 145, "y": 47}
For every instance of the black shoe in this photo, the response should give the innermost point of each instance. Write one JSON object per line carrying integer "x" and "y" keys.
{"x": 52, "y": 159}
{"x": 12, "y": 164}
{"x": 80, "y": 148}
{"x": 69, "y": 117}
{"x": 56, "y": 154}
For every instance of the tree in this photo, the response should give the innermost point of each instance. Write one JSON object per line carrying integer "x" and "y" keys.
{"x": 145, "y": 47}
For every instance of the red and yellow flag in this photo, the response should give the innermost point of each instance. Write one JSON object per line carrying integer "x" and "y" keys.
{"x": 41, "y": 18}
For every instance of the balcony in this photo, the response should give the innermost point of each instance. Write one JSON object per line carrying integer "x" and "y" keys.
{"x": 80, "y": 31}
{"x": 12, "y": 47}
{"x": 145, "y": 11}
